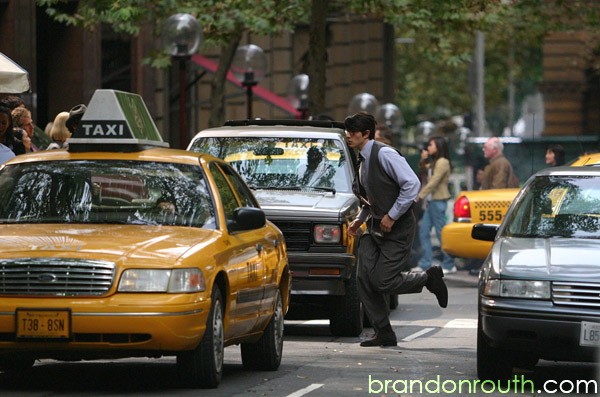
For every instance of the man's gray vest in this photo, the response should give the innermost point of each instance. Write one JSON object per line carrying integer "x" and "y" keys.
{"x": 382, "y": 191}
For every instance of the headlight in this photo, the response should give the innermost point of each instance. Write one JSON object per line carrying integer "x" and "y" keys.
{"x": 153, "y": 280}
{"x": 331, "y": 234}
{"x": 517, "y": 289}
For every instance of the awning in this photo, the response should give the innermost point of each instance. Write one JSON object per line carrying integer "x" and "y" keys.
{"x": 261, "y": 92}
{"x": 13, "y": 78}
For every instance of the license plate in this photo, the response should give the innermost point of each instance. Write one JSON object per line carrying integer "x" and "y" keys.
{"x": 43, "y": 324}
{"x": 590, "y": 334}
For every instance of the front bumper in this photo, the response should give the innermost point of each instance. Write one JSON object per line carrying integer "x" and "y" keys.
{"x": 536, "y": 327}
{"x": 123, "y": 325}
{"x": 320, "y": 273}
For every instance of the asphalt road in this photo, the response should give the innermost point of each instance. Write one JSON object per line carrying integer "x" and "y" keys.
{"x": 435, "y": 345}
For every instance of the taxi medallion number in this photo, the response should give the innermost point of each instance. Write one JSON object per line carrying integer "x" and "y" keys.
{"x": 590, "y": 334}
{"x": 43, "y": 324}
{"x": 490, "y": 216}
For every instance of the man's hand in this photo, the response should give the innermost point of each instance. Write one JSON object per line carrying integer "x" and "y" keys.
{"x": 386, "y": 224}
{"x": 354, "y": 226}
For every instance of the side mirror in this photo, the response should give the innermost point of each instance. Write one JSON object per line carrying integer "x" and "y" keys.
{"x": 484, "y": 232}
{"x": 247, "y": 218}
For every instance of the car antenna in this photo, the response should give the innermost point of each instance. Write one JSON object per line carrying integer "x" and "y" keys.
{"x": 532, "y": 143}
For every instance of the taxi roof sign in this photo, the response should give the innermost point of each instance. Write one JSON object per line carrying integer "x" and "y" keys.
{"x": 116, "y": 118}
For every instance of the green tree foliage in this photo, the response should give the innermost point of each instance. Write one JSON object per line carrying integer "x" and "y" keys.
{"x": 433, "y": 66}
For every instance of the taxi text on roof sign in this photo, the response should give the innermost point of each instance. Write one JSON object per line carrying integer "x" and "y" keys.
{"x": 117, "y": 117}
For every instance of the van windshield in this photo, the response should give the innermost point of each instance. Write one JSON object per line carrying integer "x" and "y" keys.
{"x": 269, "y": 163}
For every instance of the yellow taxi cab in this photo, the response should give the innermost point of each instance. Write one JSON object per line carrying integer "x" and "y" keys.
{"x": 484, "y": 206}
{"x": 121, "y": 247}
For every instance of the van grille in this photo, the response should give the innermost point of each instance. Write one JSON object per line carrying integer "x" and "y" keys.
{"x": 576, "y": 294}
{"x": 297, "y": 234}
{"x": 55, "y": 277}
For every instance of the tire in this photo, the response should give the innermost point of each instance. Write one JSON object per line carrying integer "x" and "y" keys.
{"x": 203, "y": 367}
{"x": 393, "y": 301}
{"x": 346, "y": 318}
{"x": 16, "y": 364}
{"x": 266, "y": 353}
{"x": 492, "y": 363}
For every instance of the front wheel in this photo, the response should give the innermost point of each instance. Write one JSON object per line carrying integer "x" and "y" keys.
{"x": 393, "y": 301}
{"x": 203, "y": 367}
{"x": 492, "y": 363}
{"x": 346, "y": 317}
{"x": 266, "y": 353}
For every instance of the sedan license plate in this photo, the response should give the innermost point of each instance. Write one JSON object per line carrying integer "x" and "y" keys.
{"x": 43, "y": 324}
{"x": 590, "y": 334}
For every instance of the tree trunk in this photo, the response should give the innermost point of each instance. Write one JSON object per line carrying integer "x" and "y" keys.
{"x": 217, "y": 99}
{"x": 317, "y": 56}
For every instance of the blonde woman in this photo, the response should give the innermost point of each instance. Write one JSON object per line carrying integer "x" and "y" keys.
{"x": 59, "y": 132}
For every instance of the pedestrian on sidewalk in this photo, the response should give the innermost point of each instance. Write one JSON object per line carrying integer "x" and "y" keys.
{"x": 387, "y": 188}
{"x": 435, "y": 195}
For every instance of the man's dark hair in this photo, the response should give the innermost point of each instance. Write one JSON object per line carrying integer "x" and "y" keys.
{"x": 361, "y": 122}
{"x": 12, "y": 101}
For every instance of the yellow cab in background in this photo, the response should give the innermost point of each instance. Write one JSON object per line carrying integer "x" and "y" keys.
{"x": 121, "y": 247}
{"x": 484, "y": 206}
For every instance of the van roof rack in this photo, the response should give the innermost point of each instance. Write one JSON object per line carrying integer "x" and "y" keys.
{"x": 286, "y": 122}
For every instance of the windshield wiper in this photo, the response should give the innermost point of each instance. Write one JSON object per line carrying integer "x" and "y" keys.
{"x": 325, "y": 189}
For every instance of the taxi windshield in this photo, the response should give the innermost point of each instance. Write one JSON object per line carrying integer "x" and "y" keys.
{"x": 557, "y": 206}
{"x": 283, "y": 162}
{"x": 105, "y": 191}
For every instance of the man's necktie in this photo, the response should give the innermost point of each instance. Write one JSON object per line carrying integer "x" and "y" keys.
{"x": 358, "y": 187}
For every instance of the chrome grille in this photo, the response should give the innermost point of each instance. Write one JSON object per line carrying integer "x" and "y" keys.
{"x": 297, "y": 234}
{"x": 576, "y": 294}
{"x": 55, "y": 277}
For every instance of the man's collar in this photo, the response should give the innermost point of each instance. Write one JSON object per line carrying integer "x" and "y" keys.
{"x": 366, "y": 150}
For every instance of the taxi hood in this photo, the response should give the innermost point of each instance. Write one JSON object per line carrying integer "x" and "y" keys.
{"x": 549, "y": 259}
{"x": 154, "y": 245}
{"x": 305, "y": 203}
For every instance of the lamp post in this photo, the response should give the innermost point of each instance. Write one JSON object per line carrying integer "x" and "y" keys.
{"x": 182, "y": 35}
{"x": 363, "y": 102}
{"x": 249, "y": 66}
{"x": 298, "y": 93}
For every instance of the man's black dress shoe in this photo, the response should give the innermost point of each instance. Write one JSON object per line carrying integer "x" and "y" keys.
{"x": 385, "y": 337}
{"x": 436, "y": 285}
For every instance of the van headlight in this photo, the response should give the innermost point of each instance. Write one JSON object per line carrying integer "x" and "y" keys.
{"x": 162, "y": 280}
{"x": 327, "y": 234}
{"x": 528, "y": 289}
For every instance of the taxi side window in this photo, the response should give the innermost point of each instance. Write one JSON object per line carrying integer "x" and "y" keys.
{"x": 226, "y": 193}
{"x": 244, "y": 193}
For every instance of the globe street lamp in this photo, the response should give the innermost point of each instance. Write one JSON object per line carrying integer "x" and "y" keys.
{"x": 363, "y": 102}
{"x": 298, "y": 94}
{"x": 182, "y": 35}
{"x": 390, "y": 115}
{"x": 249, "y": 66}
